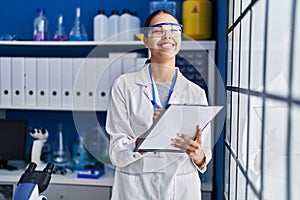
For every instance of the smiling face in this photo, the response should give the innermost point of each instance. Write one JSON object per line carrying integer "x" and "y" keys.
{"x": 162, "y": 41}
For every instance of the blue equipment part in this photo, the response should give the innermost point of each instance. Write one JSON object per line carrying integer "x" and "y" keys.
{"x": 33, "y": 182}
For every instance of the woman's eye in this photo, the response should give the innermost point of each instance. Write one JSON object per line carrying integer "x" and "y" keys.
{"x": 157, "y": 31}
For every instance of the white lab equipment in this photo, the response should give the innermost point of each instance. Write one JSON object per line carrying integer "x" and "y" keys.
{"x": 40, "y": 136}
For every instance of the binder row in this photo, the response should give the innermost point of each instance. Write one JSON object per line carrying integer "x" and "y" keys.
{"x": 62, "y": 83}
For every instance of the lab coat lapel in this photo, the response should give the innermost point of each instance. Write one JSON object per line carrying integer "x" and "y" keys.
{"x": 143, "y": 78}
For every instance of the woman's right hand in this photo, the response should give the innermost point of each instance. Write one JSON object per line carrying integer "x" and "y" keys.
{"x": 155, "y": 115}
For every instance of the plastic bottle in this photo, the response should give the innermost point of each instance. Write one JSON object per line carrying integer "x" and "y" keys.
{"x": 113, "y": 29}
{"x": 78, "y": 32}
{"x": 125, "y": 26}
{"x": 136, "y": 22}
{"x": 40, "y": 27}
{"x": 60, "y": 34}
{"x": 163, "y": 5}
{"x": 197, "y": 19}
{"x": 100, "y": 26}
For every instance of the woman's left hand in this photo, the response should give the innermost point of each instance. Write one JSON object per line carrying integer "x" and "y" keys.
{"x": 193, "y": 148}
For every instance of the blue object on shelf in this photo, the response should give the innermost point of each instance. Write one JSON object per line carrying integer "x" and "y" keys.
{"x": 90, "y": 173}
{"x": 163, "y": 5}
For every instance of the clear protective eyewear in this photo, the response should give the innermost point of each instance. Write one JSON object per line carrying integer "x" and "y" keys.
{"x": 157, "y": 30}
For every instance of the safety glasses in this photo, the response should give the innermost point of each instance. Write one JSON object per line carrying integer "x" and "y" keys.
{"x": 158, "y": 30}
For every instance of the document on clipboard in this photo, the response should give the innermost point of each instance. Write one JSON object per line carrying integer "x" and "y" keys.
{"x": 177, "y": 118}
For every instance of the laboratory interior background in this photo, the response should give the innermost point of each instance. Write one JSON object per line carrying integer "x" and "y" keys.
{"x": 244, "y": 53}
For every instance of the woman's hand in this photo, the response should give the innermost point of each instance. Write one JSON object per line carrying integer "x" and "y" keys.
{"x": 193, "y": 148}
{"x": 156, "y": 114}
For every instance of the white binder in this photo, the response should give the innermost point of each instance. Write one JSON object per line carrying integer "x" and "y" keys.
{"x": 67, "y": 82}
{"x": 42, "y": 82}
{"x": 103, "y": 84}
{"x": 78, "y": 83}
{"x": 91, "y": 75}
{"x": 18, "y": 97}
{"x": 128, "y": 62}
{"x": 5, "y": 81}
{"x": 55, "y": 82}
{"x": 115, "y": 66}
{"x": 139, "y": 63}
{"x": 30, "y": 82}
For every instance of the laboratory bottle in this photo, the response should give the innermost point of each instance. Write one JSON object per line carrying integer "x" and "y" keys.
{"x": 100, "y": 26}
{"x": 125, "y": 26}
{"x": 136, "y": 22}
{"x": 163, "y": 5}
{"x": 80, "y": 154}
{"x": 60, "y": 34}
{"x": 60, "y": 151}
{"x": 78, "y": 32}
{"x": 40, "y": 26}
{"x": 113, "y": 29}
{"x": 197, "y": 19}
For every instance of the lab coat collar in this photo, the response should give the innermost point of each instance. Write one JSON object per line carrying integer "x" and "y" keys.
{"x": 143, "y": 78}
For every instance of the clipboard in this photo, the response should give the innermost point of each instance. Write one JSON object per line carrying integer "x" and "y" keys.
{"x": 176, "y": 118}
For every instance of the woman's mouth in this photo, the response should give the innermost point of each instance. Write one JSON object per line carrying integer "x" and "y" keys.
{"x": 167, "y": 45}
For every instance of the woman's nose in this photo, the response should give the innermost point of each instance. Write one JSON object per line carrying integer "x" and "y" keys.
{"x": 166, "y": 34}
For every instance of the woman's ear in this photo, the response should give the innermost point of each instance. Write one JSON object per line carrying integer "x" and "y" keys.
{"x": 145, "y": 40}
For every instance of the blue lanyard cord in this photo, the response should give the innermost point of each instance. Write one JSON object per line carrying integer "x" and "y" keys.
{"x": 155, "y": 105}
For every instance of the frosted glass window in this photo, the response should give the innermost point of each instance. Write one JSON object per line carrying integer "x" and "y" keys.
{"x": 228, "y": 116}
{"x": 258, "y": 135}
{"x": 232, "y": 187}
{"x": 295, "y": 152}
{"x": 237, "y": 9}
{"x": 250, "y": 193}
{"x": 275, "y": 149}
{"x": 230, "y": 13}
{"x": 226, "y": 173}
{"x": 251, "y": 146}
{"x": 257, "y": 45}
{"x": 243, "y": 115}
{"x": 234, "y": 121}
{"x": 241, "y": 185}
{"x": 229, "y": 59}
{"x": 296, "y": 69}
{"x": 244, "y": 63}
{"x": 235, "y": 56}
{"x": 245, "y": 4}
{"x": 278, "y": 47}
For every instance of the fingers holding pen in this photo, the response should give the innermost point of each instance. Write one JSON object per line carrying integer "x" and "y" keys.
{"x": 156, "y": 114}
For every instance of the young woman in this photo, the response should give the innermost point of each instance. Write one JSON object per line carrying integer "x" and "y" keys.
{"x": 136, "y": 100}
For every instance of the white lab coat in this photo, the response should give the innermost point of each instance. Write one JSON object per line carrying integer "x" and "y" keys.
{"x": 152, "y": 175}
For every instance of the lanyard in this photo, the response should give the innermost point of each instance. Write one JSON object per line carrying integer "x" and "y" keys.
{"x": 154, "y": 103}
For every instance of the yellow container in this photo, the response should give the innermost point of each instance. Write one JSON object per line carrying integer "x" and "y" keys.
{"x": 197, "y": 19}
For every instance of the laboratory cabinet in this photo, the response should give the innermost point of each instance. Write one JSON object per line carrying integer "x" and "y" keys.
{"x": 64, "y": 76}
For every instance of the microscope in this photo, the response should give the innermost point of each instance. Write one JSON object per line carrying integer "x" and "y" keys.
{"x": 32, "y": 183}
{"x": 40, "y": 137}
